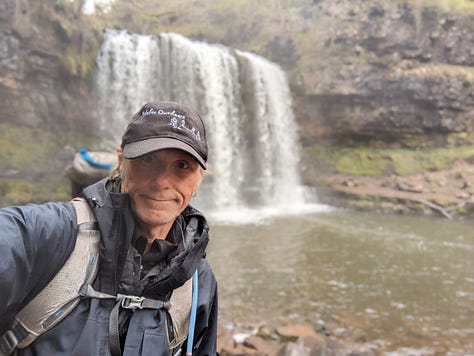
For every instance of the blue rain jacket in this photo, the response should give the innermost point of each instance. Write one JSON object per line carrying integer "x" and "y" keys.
{"x": 36, "y": 240}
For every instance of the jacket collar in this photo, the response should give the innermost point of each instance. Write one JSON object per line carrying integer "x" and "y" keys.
{"x": 117, "y": 224}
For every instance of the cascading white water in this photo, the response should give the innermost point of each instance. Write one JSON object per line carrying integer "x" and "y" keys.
{"x": 244, "y": 99}
{"x": 276, "y": 134}
{"x": 89, "y": 7}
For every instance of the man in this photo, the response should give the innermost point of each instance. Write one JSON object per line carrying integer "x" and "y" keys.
{"x": 152, "y": 242}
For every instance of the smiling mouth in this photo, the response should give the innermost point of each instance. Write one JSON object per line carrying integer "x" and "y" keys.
{"x": 160, "y": 200}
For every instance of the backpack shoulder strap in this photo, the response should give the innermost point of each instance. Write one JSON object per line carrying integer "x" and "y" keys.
{"x": 179, "y": 312}
{"x": 61, "y": 295}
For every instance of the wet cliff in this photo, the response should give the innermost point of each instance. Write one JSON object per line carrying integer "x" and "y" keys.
{"x": 369, "y": 79}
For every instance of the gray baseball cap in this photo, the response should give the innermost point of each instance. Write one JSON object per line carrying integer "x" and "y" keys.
{"x": 162, "y": 125}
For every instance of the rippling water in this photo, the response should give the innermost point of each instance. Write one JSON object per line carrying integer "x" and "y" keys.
{"x": 404, "y": 281}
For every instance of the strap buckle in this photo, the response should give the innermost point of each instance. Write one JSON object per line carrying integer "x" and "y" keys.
{"x": 8, "y": 342}
{"x": 131, "y": 301}
{"x": 134, "y": 302}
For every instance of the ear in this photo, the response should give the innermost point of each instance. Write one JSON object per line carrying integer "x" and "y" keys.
{"x": 201, "y": 176}
{"x": 119, "y": 155}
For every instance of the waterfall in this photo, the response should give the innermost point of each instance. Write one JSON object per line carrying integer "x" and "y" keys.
{"x": 89, "y": 7}
{"x": 276, "y": 140}
{"x": 244, "y": 99}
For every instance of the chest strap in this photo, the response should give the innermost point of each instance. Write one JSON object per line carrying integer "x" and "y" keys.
{"x": 125, "y": 301}
{"x": 181, "y": 308}
{"x": 122, "y": 301}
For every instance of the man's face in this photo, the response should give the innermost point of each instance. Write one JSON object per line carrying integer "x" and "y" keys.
{"x": 160, "y": 185}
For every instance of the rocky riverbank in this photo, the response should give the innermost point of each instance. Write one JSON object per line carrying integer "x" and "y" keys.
{"x": 351, "y": 340}
{"x": 291, "y": 340}
{"x": 446, "y": 193}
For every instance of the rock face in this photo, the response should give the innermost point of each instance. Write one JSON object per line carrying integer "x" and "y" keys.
{"x": 41, "y": 48}
{"x": 359, "y": 69}
{"x": 387, "y": 69}
{"x": 45, "y": 95}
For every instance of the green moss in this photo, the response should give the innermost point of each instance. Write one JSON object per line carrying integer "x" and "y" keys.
{"x": 22, "y": 181}
{"x": 441, "y": 71}
{"x": 459, "y": 139}
{"x": 35, "y": 144}
{"x": 367, "y": 161}
{"x": 20, "y": 192}
{"x": 80, "y": 62}
{"x": 447, "y": 5}
{"x": 360, "y": 161}
{"x": 15, "y": 193}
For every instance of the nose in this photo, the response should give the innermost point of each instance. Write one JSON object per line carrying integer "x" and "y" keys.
{"x": 161, "y": 177}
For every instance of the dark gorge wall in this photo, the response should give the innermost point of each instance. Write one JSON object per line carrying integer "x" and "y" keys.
{"x": 356, "y": 67}
{"x": 45, "y": 95}
{"x": 387, "y": 70}
{"x": 362, "y": 70}
{"x": 42, "y": 82}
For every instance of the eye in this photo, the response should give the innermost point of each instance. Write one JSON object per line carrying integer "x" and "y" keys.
{"x": 147, "y": 159}
{"x": 182, "y": 164}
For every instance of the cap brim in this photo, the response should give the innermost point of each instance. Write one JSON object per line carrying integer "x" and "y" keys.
{"x": 139, "y": 148}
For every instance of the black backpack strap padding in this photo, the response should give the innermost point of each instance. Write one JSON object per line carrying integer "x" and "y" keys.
{"x": 89, "y": 226}
{"x": 114, "y": 331}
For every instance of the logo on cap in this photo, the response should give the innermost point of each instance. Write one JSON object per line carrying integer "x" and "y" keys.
{"x": 177, "y": 121}
{"x": 162, "y": 125}
{"x": 182, "y": 126}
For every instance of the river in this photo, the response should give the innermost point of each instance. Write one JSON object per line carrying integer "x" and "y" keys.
{"x": 404, "y": 281}
{"x": 400, "y": 281}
